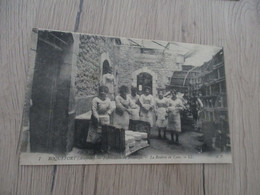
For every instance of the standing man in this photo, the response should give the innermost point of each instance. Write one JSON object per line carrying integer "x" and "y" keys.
{"x": 196, "y": 106}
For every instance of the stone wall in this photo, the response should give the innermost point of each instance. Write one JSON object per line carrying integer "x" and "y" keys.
{"x": 132, "y": 59}
{"x": 88, "y": 69}
{"x": 88, "y": 66}
{"x": 124, "y": 59}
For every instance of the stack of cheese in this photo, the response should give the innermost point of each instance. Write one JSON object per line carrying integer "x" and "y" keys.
{"x": 135, "y": 140}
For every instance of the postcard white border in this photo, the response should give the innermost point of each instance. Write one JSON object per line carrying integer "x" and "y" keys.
{"x": 51, "y": 159}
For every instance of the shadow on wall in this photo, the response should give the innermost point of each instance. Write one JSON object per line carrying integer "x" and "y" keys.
{"x": 50, "y": 123}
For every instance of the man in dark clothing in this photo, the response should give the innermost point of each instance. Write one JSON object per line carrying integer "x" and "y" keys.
{"x": 195, "y": 106}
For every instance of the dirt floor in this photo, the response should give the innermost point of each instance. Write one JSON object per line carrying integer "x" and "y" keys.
{"x": 188, "y": 144}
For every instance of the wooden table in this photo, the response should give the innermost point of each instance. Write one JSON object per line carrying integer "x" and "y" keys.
{"x": 232, "y": 24}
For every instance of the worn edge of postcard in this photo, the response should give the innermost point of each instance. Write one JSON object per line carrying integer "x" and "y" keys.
{"x": 47, "y": 159}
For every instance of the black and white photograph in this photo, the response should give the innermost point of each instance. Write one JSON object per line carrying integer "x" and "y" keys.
{"x": 94, "y": 99}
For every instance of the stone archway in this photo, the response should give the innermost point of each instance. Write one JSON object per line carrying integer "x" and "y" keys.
{"x": 104, "y": 57}
{"x": 145, "y": 70}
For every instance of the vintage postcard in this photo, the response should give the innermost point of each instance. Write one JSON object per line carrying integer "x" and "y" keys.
{"x": 95, "y": 99}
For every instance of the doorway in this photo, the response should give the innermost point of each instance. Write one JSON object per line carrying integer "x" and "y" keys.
{"x": 144, "y": 80}
{"x": 145, "y": 77}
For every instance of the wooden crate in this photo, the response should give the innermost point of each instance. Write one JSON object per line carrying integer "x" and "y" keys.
{"x": 113, "y": 138}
